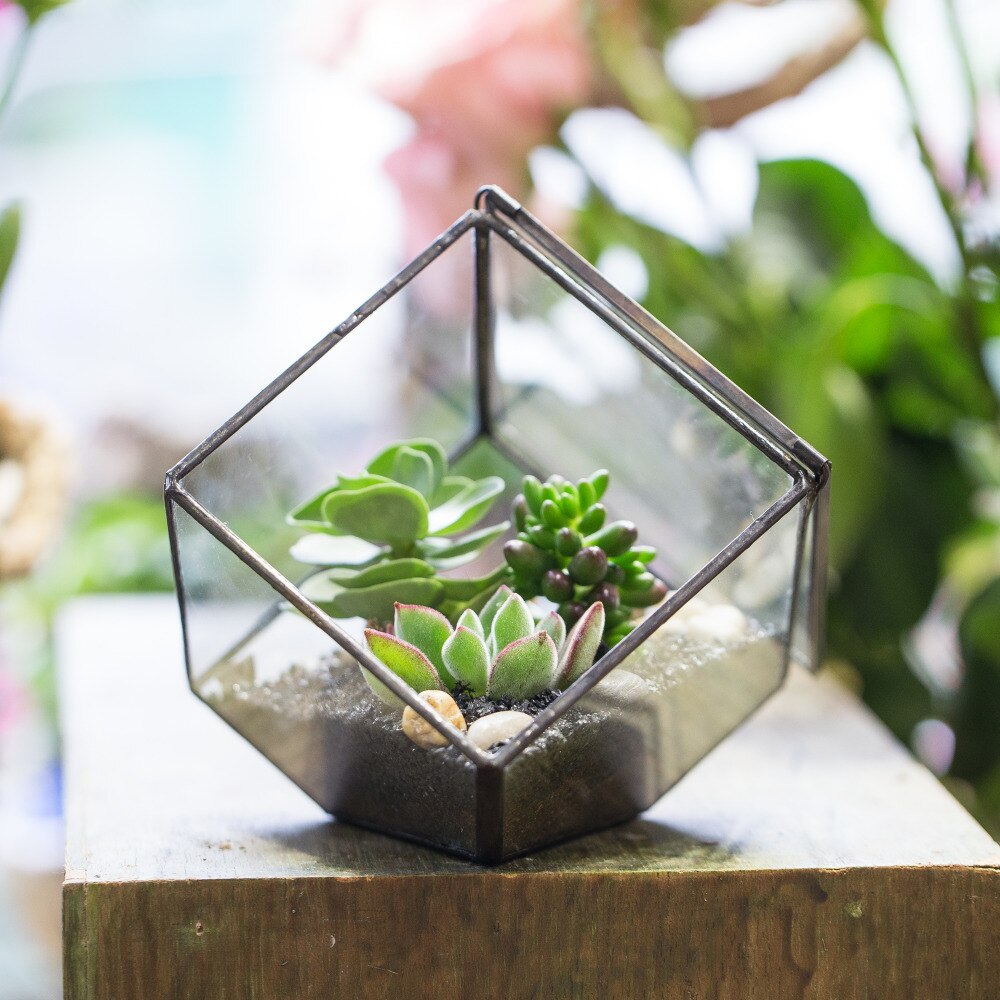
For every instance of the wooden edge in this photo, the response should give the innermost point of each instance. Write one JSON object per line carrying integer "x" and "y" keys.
{"x": 905, "y": 933}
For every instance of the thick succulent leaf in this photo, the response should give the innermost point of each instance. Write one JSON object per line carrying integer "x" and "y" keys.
{"x": 384, "y": 464}
{"x": 531, "y": 488}
{"x": 383, "y": 512}
{"x": 524, "y": 668}
{"x": 492, "y": 606}
{"x": 443, "y": 565}
{"x": 465, "y": 590}
{"x": 467, "y": 659}
{"x": 466, "y": 508}
{"x": 404, "y": 660}
{"x": 512, "y": 622}
{"x": 426, "y": 629}
{"x": 645, "y": 597}
{"x": 470, "y": 620}
{"x": 616, "y": 538}
{"x": 581, "y": 645}
{"x": 359, "y": 482}
{"x": 599, "y": 480}
{"x": 310, "y": 514}
{"x": 336, "y": 550}
{"x": 413, "y": 468}
{"x": 436, "y": 550}
{"x": 383, "y": 572}
{"x": 450, "y": 487}
{"x": 555, "y": 626}
{"x": 371, "y": 603}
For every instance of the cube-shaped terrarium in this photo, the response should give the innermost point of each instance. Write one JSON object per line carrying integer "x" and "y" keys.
{"x": 502, "y": 481}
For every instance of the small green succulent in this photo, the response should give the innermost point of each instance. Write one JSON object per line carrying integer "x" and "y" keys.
{"x": 500, "y": 652}
{"x": 565, "y": 552}
{"x": 388, "y": 534}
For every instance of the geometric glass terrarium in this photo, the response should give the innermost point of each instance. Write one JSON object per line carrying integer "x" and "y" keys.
{"x": 516, "y": 355}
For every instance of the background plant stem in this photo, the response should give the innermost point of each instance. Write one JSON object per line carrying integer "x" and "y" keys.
{"x": 14, "y": 66}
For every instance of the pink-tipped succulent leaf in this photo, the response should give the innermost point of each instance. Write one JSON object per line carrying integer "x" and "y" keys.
{"x": 581, "y": 646}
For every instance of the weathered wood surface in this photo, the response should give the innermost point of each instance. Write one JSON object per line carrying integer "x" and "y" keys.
{"x": 808, "y": 856}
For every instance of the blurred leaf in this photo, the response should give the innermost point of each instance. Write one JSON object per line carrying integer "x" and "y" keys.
{"x": 114, "y": 545}
{"x": 831, "y": 407}
{"x": 973, "y": 560}
{"x": 35, "y": 10}
{"x": 826, "y": 208}
{"x": 824, "y": 211}
{"x": 10, "y": 231}
{"x": 927, "y": 503}
{"x": 976, "y": 720}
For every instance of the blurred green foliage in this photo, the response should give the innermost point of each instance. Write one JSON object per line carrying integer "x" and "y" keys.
{"x": 850, "y": 341}
{"x": 114, "y": 544}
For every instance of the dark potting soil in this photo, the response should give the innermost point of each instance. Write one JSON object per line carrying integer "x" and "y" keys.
{"x": 476, "y": 708}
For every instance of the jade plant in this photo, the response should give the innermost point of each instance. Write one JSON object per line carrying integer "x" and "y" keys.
{"x": 501, "y": 652}
{"x": 565, "y": 552}
{"x": 389, "y": 534}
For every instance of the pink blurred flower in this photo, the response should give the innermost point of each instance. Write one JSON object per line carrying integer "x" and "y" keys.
{"x": 988, "y": 137}
{"x": 12, "y": 698}
{"x": 484, "y": 80}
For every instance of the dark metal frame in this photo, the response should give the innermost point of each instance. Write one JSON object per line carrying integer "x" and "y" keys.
{"x": 497, "y": 215}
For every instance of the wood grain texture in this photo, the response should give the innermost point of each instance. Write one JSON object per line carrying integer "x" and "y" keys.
{"x": 808, "y": 856}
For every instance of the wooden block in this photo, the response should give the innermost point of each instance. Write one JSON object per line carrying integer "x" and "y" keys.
{"x": 808, "y": 856}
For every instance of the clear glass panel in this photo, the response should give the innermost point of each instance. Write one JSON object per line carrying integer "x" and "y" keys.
{"x": 572, "y": 396}
{"x": 803, "y": 641}
{"x": 405, "y": 371}
{"x": 664, "y": 707}
{"x": 301, "y": 700}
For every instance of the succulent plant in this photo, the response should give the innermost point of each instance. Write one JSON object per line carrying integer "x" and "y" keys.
{"x": 500, "y": 652}
{"x": 565, "y": 552}
{"x": 388, "y": 534}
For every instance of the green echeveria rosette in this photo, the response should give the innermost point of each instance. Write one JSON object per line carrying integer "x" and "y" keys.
{"x": 388, "y": 534}
{"x": 502, "y": 652}
{"x": 566, "y": 552}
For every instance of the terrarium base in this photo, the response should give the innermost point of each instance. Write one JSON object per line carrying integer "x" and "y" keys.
{"x": 611, "y": 756}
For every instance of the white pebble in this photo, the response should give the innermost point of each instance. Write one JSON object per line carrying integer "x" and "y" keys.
{"x": 678, "y": 621}
{"x": 623, "y": 686}
{"x": 721, "y": 623}
{"x": 496, "y": 728}
{"x": 421, "y": 731}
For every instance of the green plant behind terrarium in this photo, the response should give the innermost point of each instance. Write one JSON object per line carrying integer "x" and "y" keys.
{"x": 500, "y": 652}
{"x": 389, "y": 534}
{"x": 565, "y": 552}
